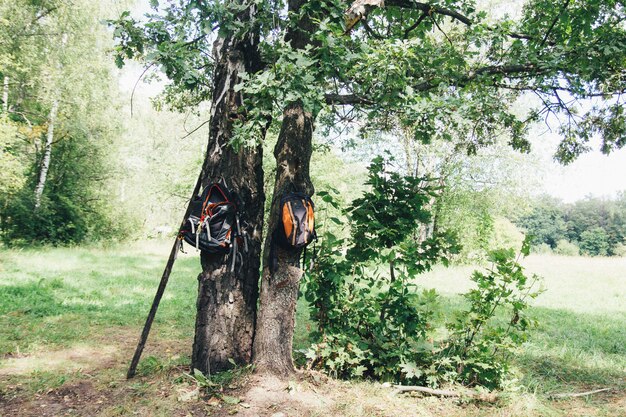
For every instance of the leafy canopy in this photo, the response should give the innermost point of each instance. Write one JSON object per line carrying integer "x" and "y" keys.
{"x": 449, "y": 69}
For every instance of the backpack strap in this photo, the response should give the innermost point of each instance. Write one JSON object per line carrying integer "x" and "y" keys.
{"x": 180, "y": 242}
{"x": 233, "y": 255}
{"x": 242, "y": 234}
{"x": 222, "y": 183}
{"x": 198, "y": 236}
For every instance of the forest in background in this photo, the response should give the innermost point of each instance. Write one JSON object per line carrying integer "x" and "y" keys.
{"x": 592, "y": 226}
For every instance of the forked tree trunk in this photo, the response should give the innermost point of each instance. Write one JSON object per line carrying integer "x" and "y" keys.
{"x": 279, "y": 288}
{"x": 47, "y": 153}
{"x": 226, "y": 305}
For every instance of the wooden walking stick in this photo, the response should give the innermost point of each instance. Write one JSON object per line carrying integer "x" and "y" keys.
{"x": 164, "y": 278}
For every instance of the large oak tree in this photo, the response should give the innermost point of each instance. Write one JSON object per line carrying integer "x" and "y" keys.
{"x": 447, "y": 69}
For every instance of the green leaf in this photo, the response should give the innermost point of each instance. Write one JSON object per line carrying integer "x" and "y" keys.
{"x": 231, "y": 400}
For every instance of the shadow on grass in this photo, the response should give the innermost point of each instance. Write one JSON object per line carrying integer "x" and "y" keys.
{"x": 548, "y": 373}
{"x": 575, "y": 349}
{"x": 595, "y": 333}
{"x": 592, "y": 333}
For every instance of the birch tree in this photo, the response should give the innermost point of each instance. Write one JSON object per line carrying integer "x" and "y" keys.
{"x": 47, "y": 152}
{"x": 62, "y": 98}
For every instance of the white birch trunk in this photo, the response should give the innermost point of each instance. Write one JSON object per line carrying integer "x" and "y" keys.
{"x": 5, "y": 96}
{"x": 45, "y": 162}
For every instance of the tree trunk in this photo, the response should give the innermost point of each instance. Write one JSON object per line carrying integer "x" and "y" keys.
{"x": 45, "y": 161}
{"x": 279, "y": 289}
{"x": 5, "y": 96}
{"x": 226, "y": 305}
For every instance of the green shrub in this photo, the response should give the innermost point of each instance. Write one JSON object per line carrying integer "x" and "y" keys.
{"x": 484, "y": 337}
{"x": 542, "y": 249}
{"x": 566, "y": 248}
{"x": 506, "y": 234}
{"x": 60, "y": 220}
{"x": 594, "y": 242}
{"x": 78, "y": 203}
{"x": 372, "y": 319}
{"x": 620, "y": 250}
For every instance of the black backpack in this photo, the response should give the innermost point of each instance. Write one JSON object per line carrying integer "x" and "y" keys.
{"x": 213, "y": 224}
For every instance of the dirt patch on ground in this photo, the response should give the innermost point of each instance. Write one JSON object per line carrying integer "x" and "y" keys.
{"x": 305, "y": 394}
{"x": 74, "y": 358}
{"x": 100, "y": 389}
{"x": 299, "y": 396}
{"x": 75, "y": 399}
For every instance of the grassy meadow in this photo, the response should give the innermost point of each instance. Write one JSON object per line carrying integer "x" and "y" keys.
{"x": 70, "y": 318}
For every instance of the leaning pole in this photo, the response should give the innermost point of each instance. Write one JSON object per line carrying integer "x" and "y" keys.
{"x": 164, "y": 278}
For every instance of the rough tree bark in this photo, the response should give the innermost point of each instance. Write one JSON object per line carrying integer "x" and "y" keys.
{"x": 279, "y": 289}
{"x": 45, "y": 161}
{"x": 226, "y": 304}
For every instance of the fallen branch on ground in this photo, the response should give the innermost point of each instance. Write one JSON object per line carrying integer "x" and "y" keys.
{"x": 480, "y": 396}
{"x": 578, "y": 394}
{"x": 436, "y": 392}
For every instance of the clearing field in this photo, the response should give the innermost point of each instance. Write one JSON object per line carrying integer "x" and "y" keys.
{"x": 70, "y": 318}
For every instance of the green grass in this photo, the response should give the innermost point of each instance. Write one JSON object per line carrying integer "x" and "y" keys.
{"x": 581, "y": 337}
{"x": 57, "y": 298}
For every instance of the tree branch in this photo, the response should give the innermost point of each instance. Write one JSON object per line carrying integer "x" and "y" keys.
{"x": 487, "y": 397}
{"x": 429, "y": 9}
{"x": 196, "y": 129}
{"x": 355, "y": 99}
{"x": 436, "y": 392}
{"x": 579, "y": 394}
{"x": 360, "y": 8}
{"x": 43, "y": 14}
{"x": 347, "y": 99}
{"x": 441, "y": 30}
{"x": 415, "y": 25}
{"x": 371, "y": 31}
{"x": 132, "y": 94}
{"x": 556, "y": 19}
{"x": 486, "y": 70}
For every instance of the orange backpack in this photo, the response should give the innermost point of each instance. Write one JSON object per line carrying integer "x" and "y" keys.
{"x": 296, "y": 228}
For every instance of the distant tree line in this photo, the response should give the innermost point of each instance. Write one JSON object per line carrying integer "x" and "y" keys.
{"x": 593, "y": 226}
